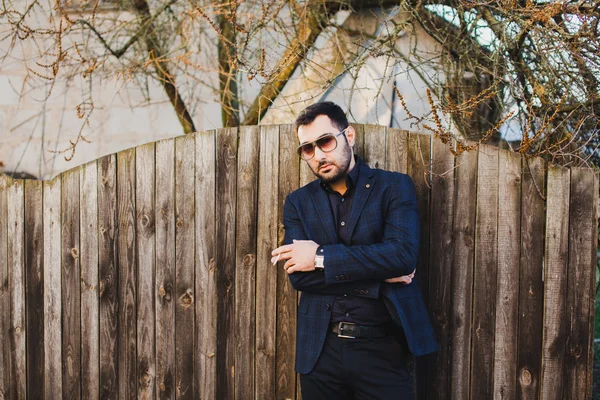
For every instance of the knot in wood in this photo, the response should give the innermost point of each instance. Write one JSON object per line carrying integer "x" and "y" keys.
{"x": 164, "y": 294}
{"x": 102, "y": 230}
{"x": 187, "y": 299}
{"x": 576, "y": 351}
{"x": 179, "y": 222}
{"x": 145, "y": 220}
{"x": 211, "y": 264}
{"x": 469, "y": 242}
{"x": 248, "y": 260}
{"x": 75, "y": 253}
{"x": 145, "y": 379}
{"x": 162, "y": 387}
{"x": 525, "y": 377}
{"x": 104, "y": 180}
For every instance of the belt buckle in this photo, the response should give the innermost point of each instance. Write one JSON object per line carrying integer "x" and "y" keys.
{"x": 341, "y": 330}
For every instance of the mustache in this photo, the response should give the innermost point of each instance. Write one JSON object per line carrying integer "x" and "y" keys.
{"x": 323, "y": 163}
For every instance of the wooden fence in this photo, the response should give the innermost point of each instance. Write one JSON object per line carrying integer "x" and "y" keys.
{"x": 146, "y": 273}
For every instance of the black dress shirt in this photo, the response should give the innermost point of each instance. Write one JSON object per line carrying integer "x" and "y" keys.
{"x": 350, "y": 308}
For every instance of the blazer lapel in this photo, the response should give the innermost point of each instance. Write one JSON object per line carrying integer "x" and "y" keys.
{"x": 321, "y": 203}
{"x": 362, "y": 190}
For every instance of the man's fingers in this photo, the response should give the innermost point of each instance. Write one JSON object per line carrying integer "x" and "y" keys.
{"x": 282, "y": 249}
{"x": 288, "y": 264}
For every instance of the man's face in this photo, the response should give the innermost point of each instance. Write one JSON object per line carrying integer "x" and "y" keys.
{"x": 331, "y": 167}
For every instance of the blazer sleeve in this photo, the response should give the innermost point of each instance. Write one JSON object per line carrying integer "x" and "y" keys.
{"x": 396, "y": 255}
{"x": 314, "y": 281}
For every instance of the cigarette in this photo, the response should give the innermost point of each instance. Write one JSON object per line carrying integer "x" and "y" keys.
{"x": 278, "y": 255}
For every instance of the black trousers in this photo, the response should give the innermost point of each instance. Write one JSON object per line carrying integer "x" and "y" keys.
{"x": 360, "y": 369}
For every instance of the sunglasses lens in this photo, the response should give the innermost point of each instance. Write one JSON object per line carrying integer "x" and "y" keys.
{"x": 327, "y": 143}
{"x": 307, "y": 151}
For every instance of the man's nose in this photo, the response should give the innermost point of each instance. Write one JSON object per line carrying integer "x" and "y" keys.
{"x": 319, "y": 154}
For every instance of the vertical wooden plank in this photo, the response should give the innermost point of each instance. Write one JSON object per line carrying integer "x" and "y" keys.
{"x": 419, "y": 170}
{"x": 71, "y": 284}
{"x": 90, "y": 342}
{"x": 16, "y": 289}
{"x": 375, "y": 146}
{"x": 359, "y": 142}
{"x": 52, "y": 289}
{"x": 165, "y": 269}
{"x": 397, "y": 150}
{"x": 34, "y": 287}
{"x": 126, "y": 270}
{"x": 461, "y": 281}
{"x": 225, "y": 206}
{"x": 184, "y": 266}
{"x": 440, "y": 269}
{"x": 245, "y": 276}
{"x": 484, "y": 290}
{"x": 592, "y": 283}
{"x": 555, "y": 283}
{"x": 507, "y": 299}
{"x": 286, "y": 295}
{"x": 531, "y": 285}
{"x": 4, "y": 294}
{"x": 266, "y": 277}
{"x": 107, "y": 265}
{"x": 582, "y": 268}
{"x": 145, "y": 258}
{"x": 206, "y": 285}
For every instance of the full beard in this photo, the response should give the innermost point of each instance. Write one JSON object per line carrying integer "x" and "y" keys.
{"x": 338, "y": 170}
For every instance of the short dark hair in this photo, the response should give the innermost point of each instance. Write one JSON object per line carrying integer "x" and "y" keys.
{"x": 329, "y": 108}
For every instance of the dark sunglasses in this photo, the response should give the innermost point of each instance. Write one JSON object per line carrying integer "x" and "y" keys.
{"x": 326, "y": 143}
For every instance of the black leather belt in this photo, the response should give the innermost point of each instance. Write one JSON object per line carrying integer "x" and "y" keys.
{"x": 350, "y": 330}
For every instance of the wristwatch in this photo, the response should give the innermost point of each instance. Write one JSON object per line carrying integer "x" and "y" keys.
{"x": 319, "y": 259}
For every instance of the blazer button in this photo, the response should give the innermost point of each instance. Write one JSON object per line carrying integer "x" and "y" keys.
{"x": 337, "y": 277}
{"x": 327, "y": 307}
{"x": 366, "y": 291}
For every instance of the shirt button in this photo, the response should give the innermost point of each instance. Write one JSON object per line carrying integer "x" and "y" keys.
{"x": 343, "y": 223}
{"x": 345, "y": 295}
{"x": 342, "y": 199}
{"x": 347, "y": 314}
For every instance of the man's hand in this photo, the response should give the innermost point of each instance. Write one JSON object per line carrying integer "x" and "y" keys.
{"x": 300, "y": 256}
{"x": 406, "y": 279}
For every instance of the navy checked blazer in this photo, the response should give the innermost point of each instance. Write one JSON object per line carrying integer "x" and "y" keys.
{"x": 384, "y": 226}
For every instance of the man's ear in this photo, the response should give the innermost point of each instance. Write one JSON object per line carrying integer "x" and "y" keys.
{"x": 351, "y": 135}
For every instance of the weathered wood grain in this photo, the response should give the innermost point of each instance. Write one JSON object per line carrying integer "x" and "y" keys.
{"x": 165, "y": 269}
{"x": 71, "y": 286}
{"x": 4, "y": 293}
{"x": 52, "y": 289}
{"x": 34, "y": 287}
{"x": 245, "y": 275}
{"x": 440, "y": 267}
{"x": 461, "y": 281}
{"x": 555, "y": 283}
{"x": 206, "y": 285}
{"x": 16, "y": 287}
{"x": 507, "y": 299}
{"x": 266, "y": 277}
{"x": 419, "y": 167}
{"x": 126, "y": 269}
{"x": 592, "y": 284}
{"x": 486, "y": 267}
{"x": 107, "y": 265}
{"x": 531, "y": 285}
{"x": 397, "y": 150}
{"x": 90, "y": 330}
{"x": 375, "y": 149}
{"x": 225, "y": 206}
{"x": 582, "y": 270}
{"x": 145, "y": 260}
{"x": 184, "y": 265}
{"x": 289, "y": 170}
